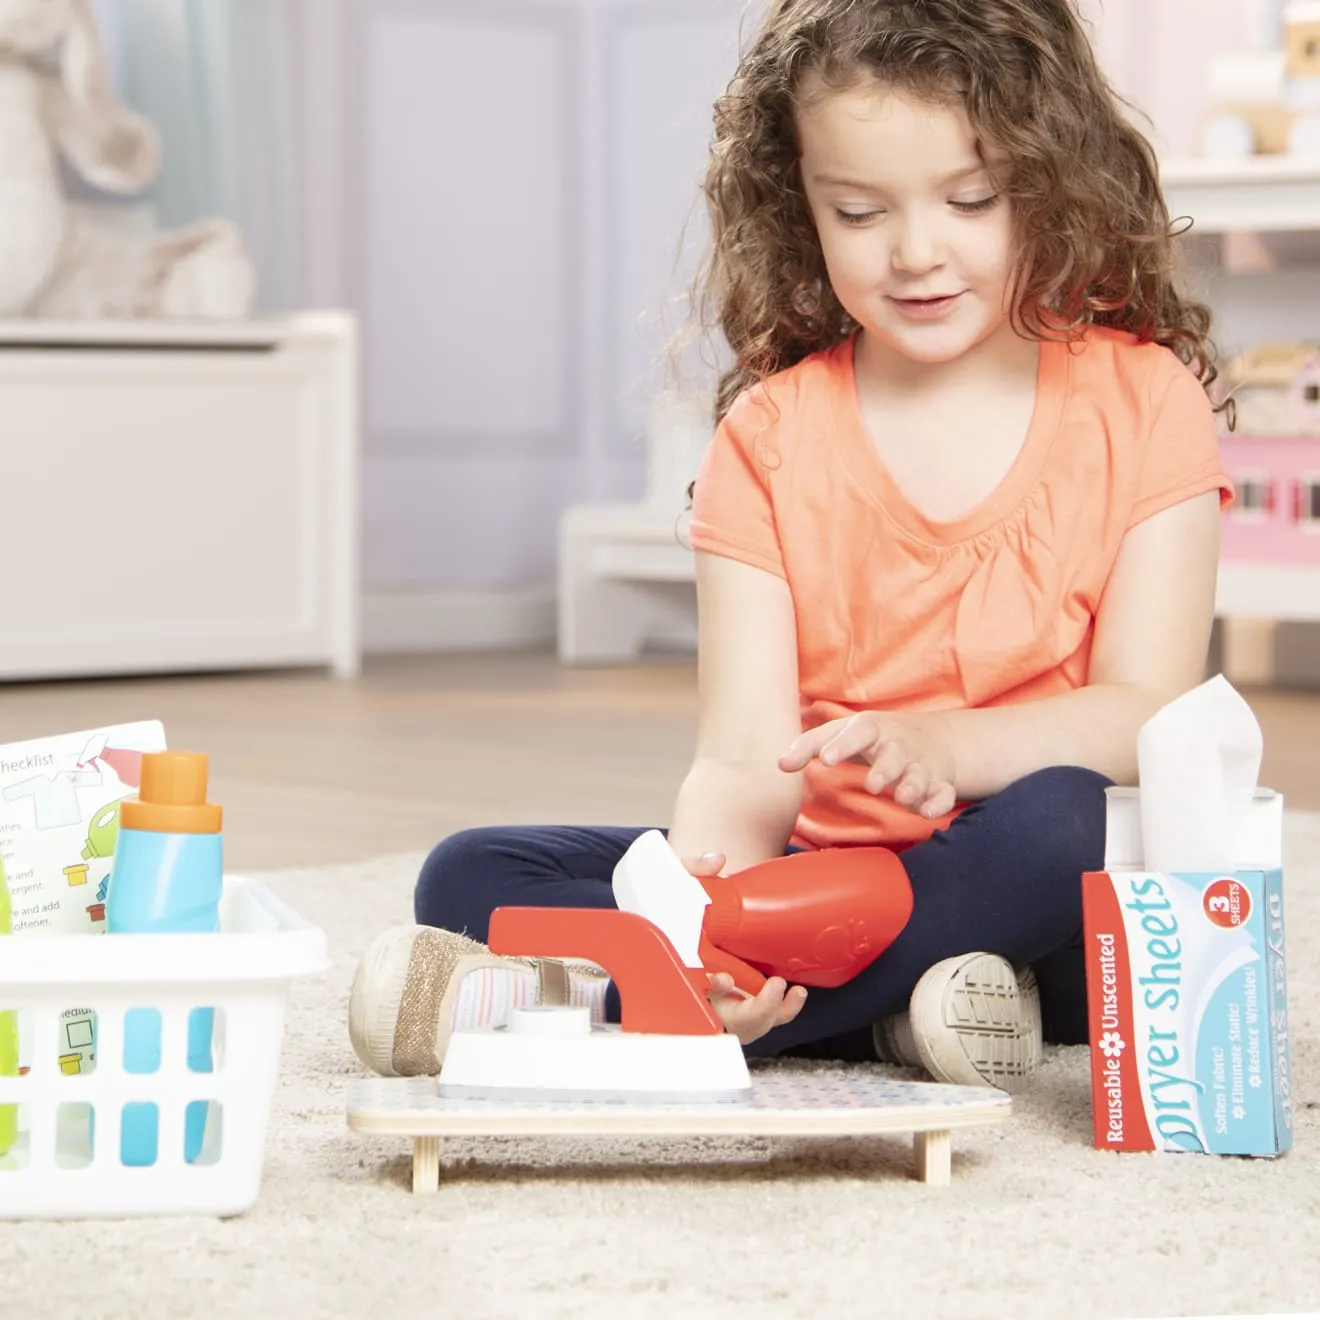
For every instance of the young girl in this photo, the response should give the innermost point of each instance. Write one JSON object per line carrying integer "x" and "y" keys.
{"x": 956, "y": 538}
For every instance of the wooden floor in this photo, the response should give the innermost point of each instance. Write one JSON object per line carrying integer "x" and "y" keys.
{"x": 311, "y": 770}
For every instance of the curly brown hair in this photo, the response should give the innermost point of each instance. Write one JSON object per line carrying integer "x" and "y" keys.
{"x": 1096, "y": 245}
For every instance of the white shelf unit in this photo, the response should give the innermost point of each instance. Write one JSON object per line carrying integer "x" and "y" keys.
{"x": 180, "y": 497}
{"x": 1264, "y": 195}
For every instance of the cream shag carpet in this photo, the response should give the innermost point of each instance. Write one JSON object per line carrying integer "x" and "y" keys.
{"x": 1036, "y": 1223}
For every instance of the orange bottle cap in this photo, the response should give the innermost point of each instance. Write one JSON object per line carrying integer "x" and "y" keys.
{"x": 172, "y": 796}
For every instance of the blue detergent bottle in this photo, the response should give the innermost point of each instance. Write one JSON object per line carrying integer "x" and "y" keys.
{"x": 166, "y": 879}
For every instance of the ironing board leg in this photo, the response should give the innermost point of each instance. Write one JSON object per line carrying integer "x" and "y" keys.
{"x": 426, "y": 1164}
{"x": 934, "y": 1158}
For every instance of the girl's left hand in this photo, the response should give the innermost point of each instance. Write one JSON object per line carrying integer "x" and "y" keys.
{"x": 911, "y": 755}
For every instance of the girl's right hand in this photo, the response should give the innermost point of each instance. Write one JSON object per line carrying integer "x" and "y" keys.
{"x": 745, "y": 1016}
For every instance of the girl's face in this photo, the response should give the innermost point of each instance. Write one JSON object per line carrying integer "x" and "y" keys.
{"x": 918, "y": 245}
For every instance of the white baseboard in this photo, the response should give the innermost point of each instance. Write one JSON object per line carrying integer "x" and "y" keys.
{"x": 459, "y": 619}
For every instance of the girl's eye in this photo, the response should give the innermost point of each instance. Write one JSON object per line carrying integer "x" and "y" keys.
{"x": 857, "y": 217}
{"x": 975, "y": 208}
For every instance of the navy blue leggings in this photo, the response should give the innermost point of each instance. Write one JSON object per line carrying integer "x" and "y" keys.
{"x": 1004, "y": 877}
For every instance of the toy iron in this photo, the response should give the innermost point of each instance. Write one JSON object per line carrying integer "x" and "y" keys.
{"x": 670, "y": 1047}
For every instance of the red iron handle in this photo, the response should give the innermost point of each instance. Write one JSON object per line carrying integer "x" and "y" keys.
{"x": 745, "y": 976}
{"x": 660, "y": 995}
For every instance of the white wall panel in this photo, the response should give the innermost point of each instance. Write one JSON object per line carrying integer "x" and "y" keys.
{"x": 665, "y": 76}
{"x": 469, "y": 521}
{"x": 466, "y": 209}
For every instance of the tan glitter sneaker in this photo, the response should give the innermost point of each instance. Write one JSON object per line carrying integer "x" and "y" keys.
{"x": 416, "y": 984}
{"x": 974, "y": 1021}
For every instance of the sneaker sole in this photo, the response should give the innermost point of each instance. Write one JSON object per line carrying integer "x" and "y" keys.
{"x": 976, "y": 1022}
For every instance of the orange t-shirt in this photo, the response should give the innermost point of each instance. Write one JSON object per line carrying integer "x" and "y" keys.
{"x": 895, "y": 612}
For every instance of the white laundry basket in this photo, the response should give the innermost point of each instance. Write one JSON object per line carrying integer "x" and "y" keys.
{"x": 66, "y": 1166}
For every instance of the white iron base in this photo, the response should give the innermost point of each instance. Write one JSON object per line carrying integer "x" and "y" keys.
{"x": 556, "y": 1054}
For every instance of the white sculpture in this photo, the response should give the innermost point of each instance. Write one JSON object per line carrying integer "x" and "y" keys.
{"x": 56, "y": 260}
{"x": 1265, "y": 24}
{"x": 1268, "y": 103}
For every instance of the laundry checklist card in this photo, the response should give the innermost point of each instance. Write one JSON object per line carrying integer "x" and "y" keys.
{"x": 59, "y": 819}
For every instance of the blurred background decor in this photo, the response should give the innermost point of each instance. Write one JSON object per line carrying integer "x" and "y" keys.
{"x": 502, "y": 200}
{"x": 1267, "y": 101}
{"x": 200, "y": 421}
{"x": 62, "y": 256}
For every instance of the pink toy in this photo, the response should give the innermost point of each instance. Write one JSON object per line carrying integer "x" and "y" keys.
{"x": 1276, "y": 517}
{"x": 1273, "y": 458}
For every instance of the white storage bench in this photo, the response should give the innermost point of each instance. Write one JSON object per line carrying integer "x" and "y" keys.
{"x": 625, "y": 579}
{"x": 179, "y": 496}
{"x": 626, "y": 571}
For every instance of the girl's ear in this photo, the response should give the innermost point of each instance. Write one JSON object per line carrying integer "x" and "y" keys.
{"x": 110, "y": 146}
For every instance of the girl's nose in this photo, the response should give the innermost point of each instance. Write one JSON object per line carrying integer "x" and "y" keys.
{"x": 915, "y": 250}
